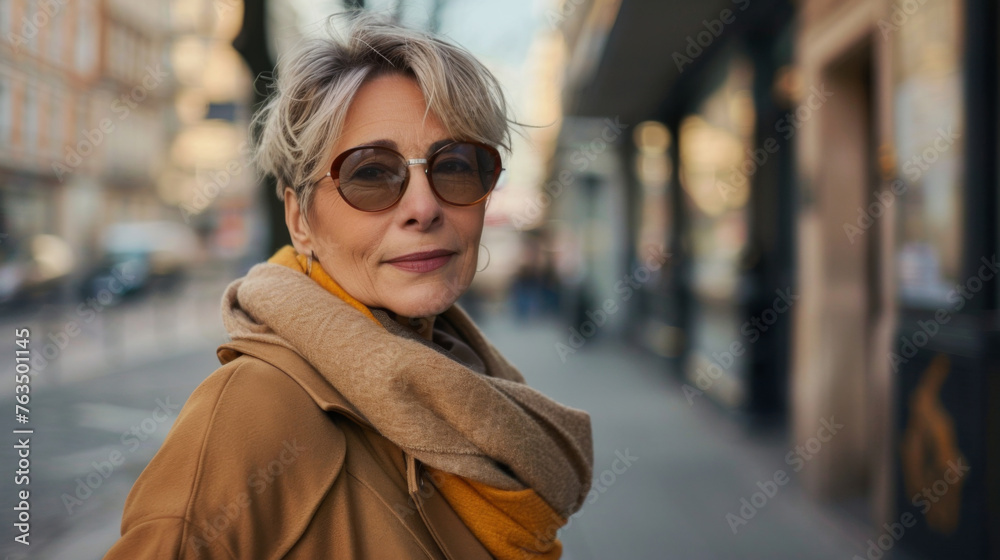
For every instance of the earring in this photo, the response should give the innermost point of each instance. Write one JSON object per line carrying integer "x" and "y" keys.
{"x": 487, "y": 257}
{"x": 309, "y": 263}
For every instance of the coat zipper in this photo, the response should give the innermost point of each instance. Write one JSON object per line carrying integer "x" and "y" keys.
{"x": 415, "y": 484}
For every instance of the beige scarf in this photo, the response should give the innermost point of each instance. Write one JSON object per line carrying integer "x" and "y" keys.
{"x": 438, "y": 410}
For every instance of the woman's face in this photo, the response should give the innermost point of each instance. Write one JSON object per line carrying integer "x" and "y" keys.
{"x": 355, "y": 247}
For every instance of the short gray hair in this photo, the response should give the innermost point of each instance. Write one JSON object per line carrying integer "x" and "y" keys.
{"x": 299, "y": 124}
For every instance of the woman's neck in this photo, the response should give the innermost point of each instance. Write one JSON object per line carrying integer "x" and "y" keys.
{"x": 423, "y": 326}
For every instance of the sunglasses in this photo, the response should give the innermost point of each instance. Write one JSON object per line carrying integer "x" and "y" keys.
{"x": 374, "y": 178}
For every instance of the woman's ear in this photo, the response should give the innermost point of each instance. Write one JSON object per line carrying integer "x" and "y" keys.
{"x": 298, "y": 228}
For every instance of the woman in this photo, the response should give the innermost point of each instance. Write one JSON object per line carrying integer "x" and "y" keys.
{"x": 359, "y": 412}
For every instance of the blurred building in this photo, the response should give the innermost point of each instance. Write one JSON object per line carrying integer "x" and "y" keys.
{"x": 84, "y": 91}
{"x": 823, "y": 176}
{"x": 102, "y": 104}
{"x": 209, "y": 177}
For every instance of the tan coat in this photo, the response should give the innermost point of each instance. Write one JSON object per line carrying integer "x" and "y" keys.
{"x": 298, "y": 480}
{"x": 269, "y": 458}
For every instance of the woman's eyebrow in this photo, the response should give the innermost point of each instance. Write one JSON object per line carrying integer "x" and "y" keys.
{"x": 383, "y": 143}
{"x": 386, "y": 143}
{"x": 438, "y": 145}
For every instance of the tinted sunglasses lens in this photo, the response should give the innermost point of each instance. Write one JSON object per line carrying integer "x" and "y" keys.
{"x": 464, "y": 173}
{"x": 371, "y": 178}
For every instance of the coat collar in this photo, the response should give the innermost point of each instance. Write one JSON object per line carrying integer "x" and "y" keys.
{"x": 326, "y": 396}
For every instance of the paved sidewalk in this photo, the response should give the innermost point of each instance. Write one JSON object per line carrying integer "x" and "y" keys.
{"x": 667, "y": 472}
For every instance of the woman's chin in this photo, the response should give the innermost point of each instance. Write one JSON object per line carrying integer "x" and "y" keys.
{"x": 422, "y": 301}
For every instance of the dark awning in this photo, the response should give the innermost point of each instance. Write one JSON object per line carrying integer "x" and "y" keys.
{"x": 638, "y": 64}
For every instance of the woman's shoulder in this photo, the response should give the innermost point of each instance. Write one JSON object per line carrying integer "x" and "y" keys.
{"x": 246, "y": 412}
{"x": 247, "y": 440}
{"x": 247, "y": 403}
{"x": 246, "y": 385}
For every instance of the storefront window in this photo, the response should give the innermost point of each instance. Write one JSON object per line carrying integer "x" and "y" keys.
{"x": 652, "y": 169}
{"x": 929, "y": 137}
{"x": 716, "y": 173}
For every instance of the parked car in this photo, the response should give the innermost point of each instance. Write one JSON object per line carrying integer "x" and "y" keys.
{"x": 139, "y": 258}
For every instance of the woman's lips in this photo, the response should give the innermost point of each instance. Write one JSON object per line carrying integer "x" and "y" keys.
{"x": 422, "y": 264}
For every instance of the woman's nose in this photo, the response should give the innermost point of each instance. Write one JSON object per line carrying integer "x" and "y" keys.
{"x": 419, "y": 204}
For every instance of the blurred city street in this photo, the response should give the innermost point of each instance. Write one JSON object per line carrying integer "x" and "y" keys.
{"x": 667, "y": 469}
{"x": 756, "y": 240}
